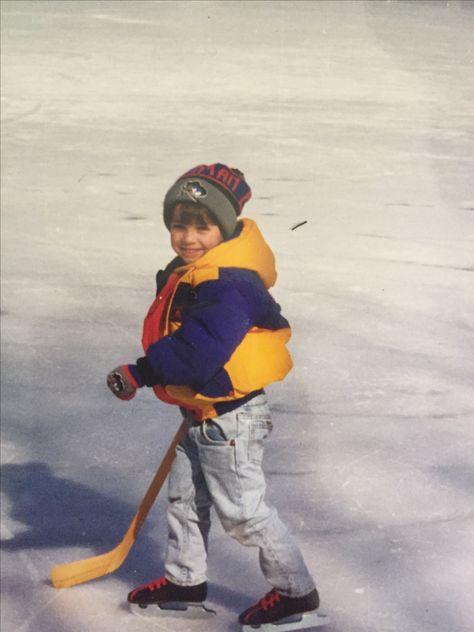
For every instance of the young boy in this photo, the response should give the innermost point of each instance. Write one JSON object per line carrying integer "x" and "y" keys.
{"x": 213, "y": 339}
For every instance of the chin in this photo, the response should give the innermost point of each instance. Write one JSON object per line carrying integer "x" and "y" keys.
{"x": 191, "y": 258}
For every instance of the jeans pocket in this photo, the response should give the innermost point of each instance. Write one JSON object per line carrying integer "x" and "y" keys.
{"x": 259, "y": 428}
{"x": 213, "y": 434}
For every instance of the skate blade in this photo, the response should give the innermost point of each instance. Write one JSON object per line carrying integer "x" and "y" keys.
{"x": 303, "y": 621}
{"x": 174, "y": 609}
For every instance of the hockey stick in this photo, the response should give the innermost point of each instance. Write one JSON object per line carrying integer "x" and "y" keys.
{"x": 80, "y": 571}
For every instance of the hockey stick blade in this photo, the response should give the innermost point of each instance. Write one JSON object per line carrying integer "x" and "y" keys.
{"x": 81, "y": 571}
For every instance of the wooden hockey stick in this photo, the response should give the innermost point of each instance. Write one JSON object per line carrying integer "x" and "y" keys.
{"x": 80, "y": 571}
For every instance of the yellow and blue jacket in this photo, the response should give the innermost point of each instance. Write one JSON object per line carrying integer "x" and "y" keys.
{"x": 214, "y": 336}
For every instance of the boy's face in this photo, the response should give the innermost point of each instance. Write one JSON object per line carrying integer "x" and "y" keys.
{"x": 193, "y": 233}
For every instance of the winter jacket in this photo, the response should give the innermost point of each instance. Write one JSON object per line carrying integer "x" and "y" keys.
{"x": 214, "y": 335}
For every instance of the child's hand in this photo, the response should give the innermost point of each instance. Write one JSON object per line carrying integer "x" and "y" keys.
{"x": 122, "y": 383}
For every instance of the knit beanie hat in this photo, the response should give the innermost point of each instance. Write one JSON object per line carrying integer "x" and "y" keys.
{"x": 221, "y": 189}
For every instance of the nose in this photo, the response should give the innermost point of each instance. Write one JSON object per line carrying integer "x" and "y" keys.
{"x": 190, "y": 234}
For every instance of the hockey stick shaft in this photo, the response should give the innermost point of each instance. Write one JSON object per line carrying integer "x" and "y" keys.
{"x": 80, "y": 571}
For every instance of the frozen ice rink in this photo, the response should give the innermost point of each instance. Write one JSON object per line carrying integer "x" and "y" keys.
{"x": 357, "y": 117}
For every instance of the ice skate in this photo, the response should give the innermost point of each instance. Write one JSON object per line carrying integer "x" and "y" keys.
{"x": 277, "y": 613}
{"x": 161, "y": 597}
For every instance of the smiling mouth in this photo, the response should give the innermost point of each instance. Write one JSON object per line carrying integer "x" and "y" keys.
{"x": 190, "y": 252}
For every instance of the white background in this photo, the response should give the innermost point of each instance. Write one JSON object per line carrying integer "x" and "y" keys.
{"x": 354, "y": 116}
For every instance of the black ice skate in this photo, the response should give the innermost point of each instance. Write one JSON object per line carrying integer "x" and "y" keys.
{"x": 170, "y": 599}
{"x": 277, "y": 613}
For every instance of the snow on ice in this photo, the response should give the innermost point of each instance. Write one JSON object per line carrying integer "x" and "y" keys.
{"x": 354, "y": 117}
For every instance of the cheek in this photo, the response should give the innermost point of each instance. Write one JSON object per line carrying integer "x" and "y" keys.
{"x": 174, "y": 238}
{"x": 216, "y": 238}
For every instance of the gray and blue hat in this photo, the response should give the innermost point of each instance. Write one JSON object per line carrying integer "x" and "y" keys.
{"x": 221, "y": 189}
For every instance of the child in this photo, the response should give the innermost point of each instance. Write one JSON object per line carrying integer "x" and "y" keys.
{"x": 213, "y": 339}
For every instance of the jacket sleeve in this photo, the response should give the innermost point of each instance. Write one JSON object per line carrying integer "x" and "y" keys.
{"x": 210, "y": 332}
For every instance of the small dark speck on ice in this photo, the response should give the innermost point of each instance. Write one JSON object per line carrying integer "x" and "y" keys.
{"x": 299, "y": 224}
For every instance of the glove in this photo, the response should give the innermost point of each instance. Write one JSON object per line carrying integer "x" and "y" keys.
{"x": 122, "y": 382}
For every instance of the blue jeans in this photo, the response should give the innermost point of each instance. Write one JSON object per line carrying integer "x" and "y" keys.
{"x": 219, "y": 463}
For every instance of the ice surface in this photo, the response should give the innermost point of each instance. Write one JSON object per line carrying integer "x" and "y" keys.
{"x": 355, "y": 116}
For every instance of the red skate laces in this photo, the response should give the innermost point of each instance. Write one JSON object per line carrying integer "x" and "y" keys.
{"x": 269, "y": 601}
{"x": 156, "y": 583}
{"x": 151, "y": 586}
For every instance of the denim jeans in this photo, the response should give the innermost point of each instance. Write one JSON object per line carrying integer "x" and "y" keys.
{"x": 219, "y": 463}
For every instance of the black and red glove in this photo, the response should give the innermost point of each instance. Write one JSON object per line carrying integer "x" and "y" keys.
{"x": 123, "y": 381}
